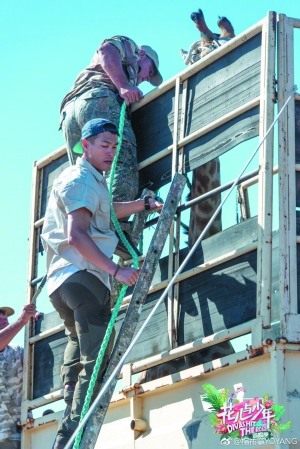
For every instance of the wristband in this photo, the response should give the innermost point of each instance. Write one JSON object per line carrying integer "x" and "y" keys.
{"x": 117, "y": 269}
{"x": 147, "y": 204}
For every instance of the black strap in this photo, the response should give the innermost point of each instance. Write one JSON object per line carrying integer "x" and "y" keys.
{"x": 147, "y": 204}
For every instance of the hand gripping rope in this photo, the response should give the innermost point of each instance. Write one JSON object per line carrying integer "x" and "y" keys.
{"x": 123, "y": 289}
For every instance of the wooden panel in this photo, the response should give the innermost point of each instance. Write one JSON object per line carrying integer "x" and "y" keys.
{"x": 155, "y": 336}
{"x": 188, "y": 361}
{"x": 47, "y": 321}
{"x": 237, "y": 236}
{"x": 217, "y": 299}
{"x": 217, "y": 89}
{"x": 50, "y": 172}
{"x": 48, "y": 358}
{"x": 224, "y": 85}
{"x": 217, "y": 142}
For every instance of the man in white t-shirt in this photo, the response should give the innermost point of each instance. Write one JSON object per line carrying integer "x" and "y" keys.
{"x": 79, "y": 243}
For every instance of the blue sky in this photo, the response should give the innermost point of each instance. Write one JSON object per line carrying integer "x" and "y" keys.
{"x": 44, "y": 46}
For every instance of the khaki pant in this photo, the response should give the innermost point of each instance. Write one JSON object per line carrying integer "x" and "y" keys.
{"x": 83, "y": 302}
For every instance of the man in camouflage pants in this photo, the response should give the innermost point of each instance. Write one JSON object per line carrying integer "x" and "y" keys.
{"x": 115, "y": 71}
{"x": 11, "y": 375}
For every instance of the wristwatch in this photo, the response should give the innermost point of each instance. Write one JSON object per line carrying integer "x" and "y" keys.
{"x": 146, "y": 201}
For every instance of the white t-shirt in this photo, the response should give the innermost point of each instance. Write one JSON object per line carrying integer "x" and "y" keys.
{"x": 78, "y": 186}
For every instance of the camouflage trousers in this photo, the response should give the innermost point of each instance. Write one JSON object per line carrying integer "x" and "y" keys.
{"x": 103, "y": 103}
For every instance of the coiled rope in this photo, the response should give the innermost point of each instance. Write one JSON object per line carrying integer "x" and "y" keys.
{"x": 123, "y": 289}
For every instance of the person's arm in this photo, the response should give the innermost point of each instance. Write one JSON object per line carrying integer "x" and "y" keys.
{"x": 123, "y": 210}
{"x": 110, "y": 60}
{"x": 9, "y": 332}
{"x": 78, "y": 237}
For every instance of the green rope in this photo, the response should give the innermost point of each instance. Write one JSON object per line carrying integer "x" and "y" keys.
{"x": 123, "y": 290}
{"x": 188, "y": 182}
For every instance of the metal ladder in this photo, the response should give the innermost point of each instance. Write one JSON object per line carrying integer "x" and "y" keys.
{"x": 138, "y": 298}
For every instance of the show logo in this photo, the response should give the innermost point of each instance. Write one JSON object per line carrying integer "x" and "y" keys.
{"x": 239, "y": 417}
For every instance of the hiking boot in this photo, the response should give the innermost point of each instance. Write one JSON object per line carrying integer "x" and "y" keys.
{"x": 122, "y": 251}
{"x": 58, "y": 446}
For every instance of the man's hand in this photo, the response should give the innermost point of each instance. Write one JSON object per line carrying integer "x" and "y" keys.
{"x": 131, "y": 94}
{"x": 128, "y": 276}
{"x": 11, "y": 330}
{"x": 125, "y": 209}
{"x": 154, "y": 204}
{"x": 28, "y": 311}
{"x": 110, "y": 60}
{"x": 37, "y": 315}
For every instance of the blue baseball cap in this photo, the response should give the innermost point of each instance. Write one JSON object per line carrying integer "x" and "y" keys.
{"x": 94, "y": 127}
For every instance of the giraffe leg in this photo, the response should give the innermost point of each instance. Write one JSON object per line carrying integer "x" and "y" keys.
{"x": 226, "y": 28}
{"x": 199, "y": 20}
{"x": 205, "y": 178}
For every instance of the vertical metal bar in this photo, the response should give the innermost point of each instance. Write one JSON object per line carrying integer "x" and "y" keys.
{"x": 278, "y": 382}
{"x": 286, "y": 175}
{"x": 32, "y": 263}
{"x": 265, "y": 184}
{"x": 171, "y": 235}
{"x": 178, "y": 218}
{"x": 256, "y": 333}
{"x": 175, "y": 130}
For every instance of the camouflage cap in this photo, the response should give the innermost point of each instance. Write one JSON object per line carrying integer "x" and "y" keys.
{"x": 8, "y": 310}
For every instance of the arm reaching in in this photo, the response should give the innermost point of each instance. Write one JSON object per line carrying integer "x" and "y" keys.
{"x": 78, "y": 237}
{"x": 109, "y": 58}
{"x": 11, "y": 330}
{"x": 123, "y": 210}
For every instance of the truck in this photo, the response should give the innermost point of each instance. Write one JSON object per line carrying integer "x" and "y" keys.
{"x": 231, "y": 321}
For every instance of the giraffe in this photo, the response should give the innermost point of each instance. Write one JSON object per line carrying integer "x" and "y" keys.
{"x": 209, "y": 41}
{"x": 207, "y": 176}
